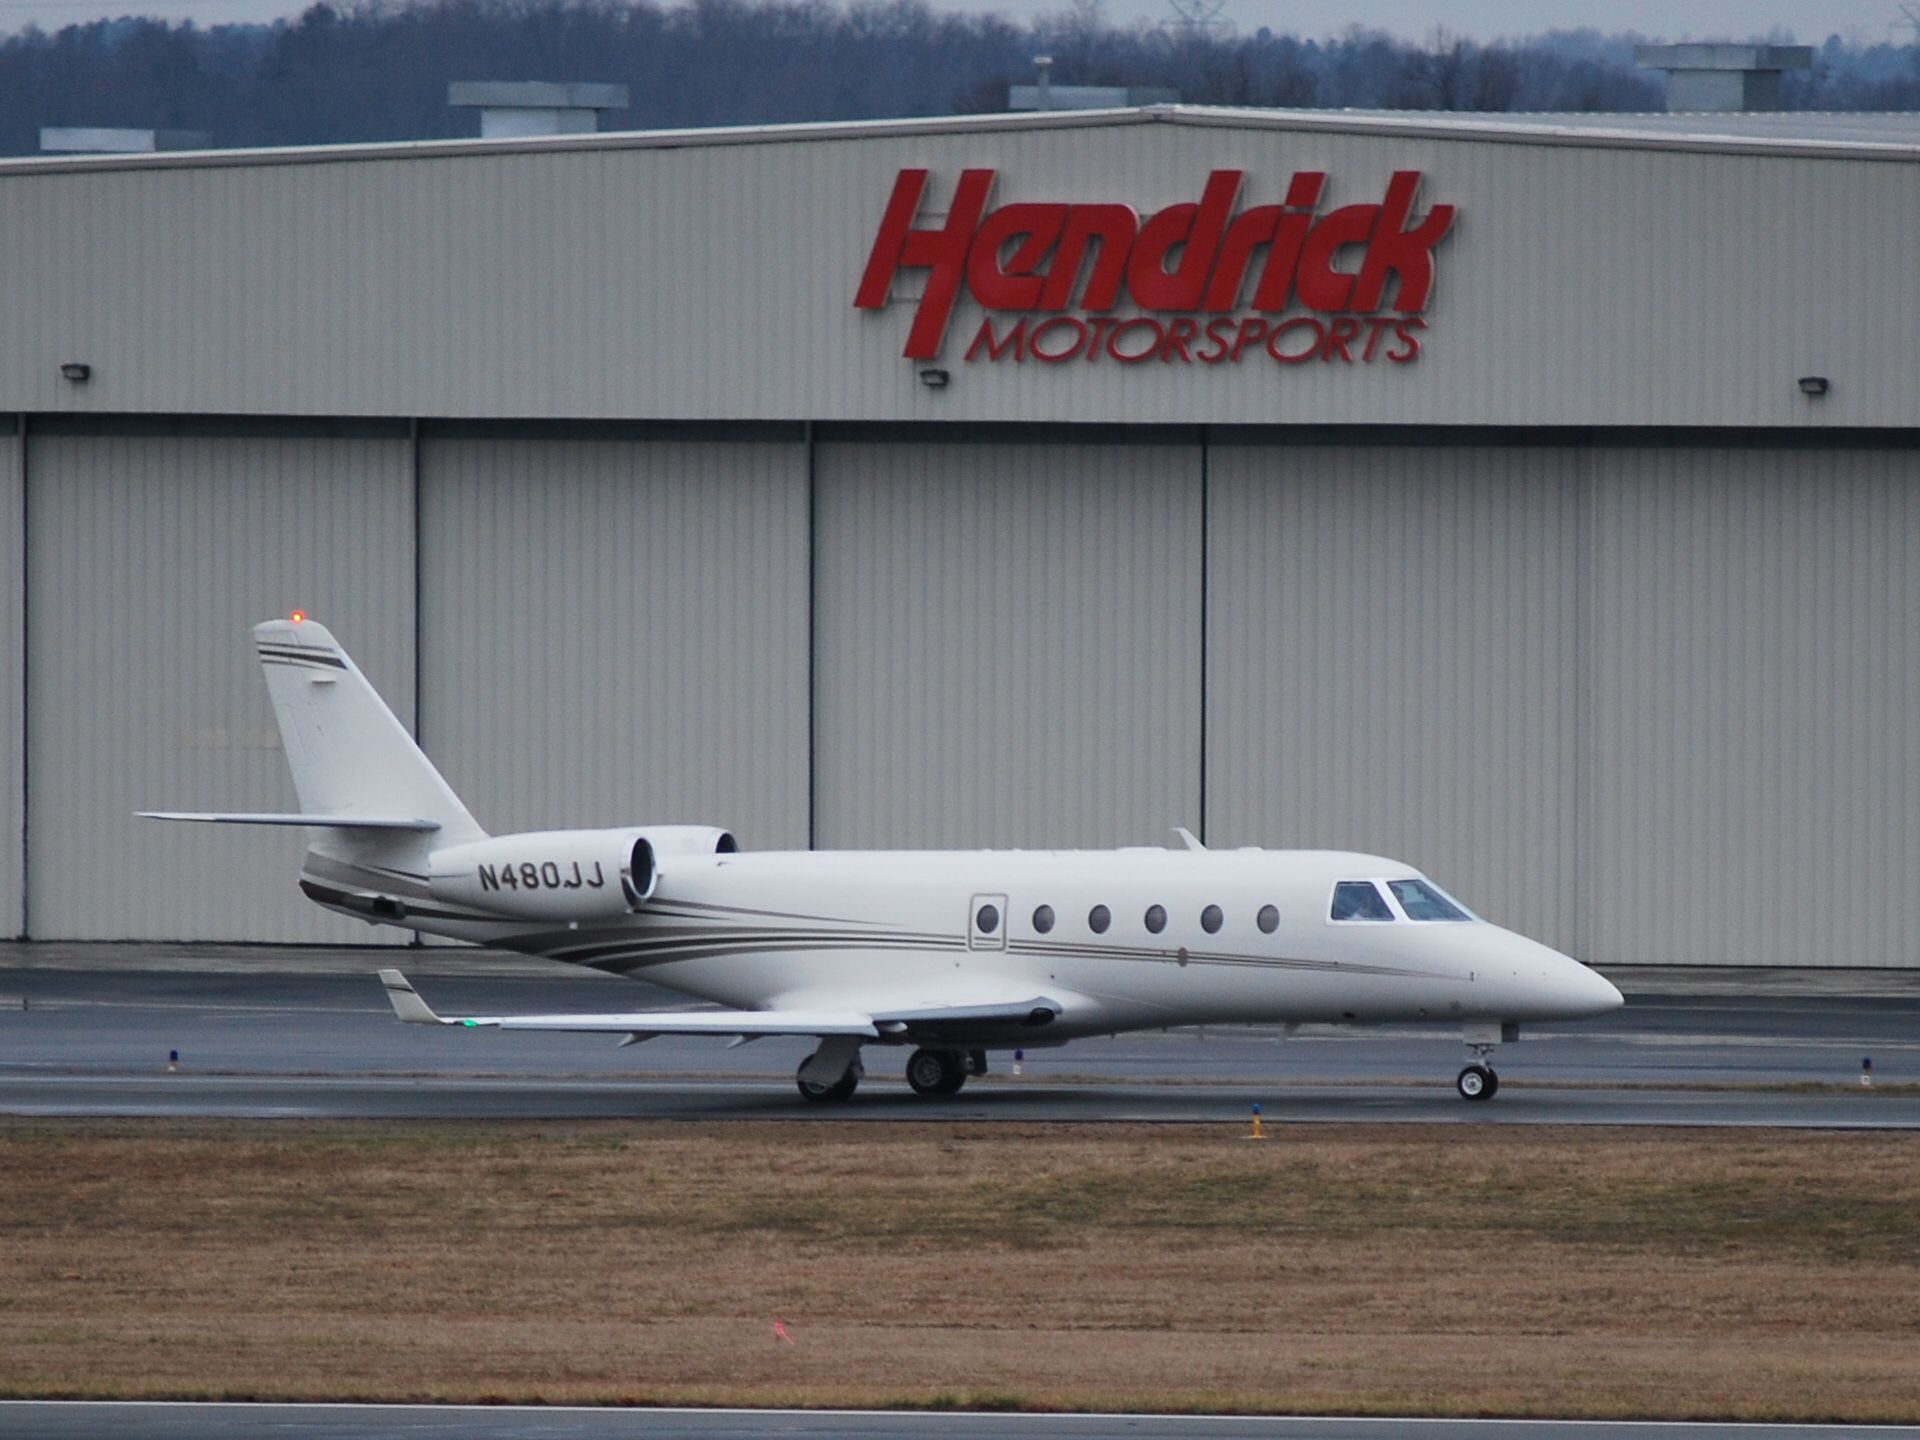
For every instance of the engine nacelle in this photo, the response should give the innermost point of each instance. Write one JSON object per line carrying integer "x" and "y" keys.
{"x": 566, "y": 874}
{"x": 690, "y": 840}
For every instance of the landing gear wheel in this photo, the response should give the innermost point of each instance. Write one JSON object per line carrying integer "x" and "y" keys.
{"x": 936, "y": 1072}
{"x": 1476, "y": 1082}
{"x": 841, "y": 1089}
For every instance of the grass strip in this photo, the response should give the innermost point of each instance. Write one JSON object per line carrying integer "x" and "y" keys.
{"x": 1735, "y": 1274}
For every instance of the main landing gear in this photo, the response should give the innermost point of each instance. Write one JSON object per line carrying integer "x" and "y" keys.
{"x": 929, "y": 1072}
{"x": 840, "y": 1089}
{"x": 833, "y": 1072}
{"x": 943, "y": 1072}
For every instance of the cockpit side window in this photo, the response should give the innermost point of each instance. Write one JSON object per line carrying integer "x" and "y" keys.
{"x": 1359, "y": 900}
{"x": 1424, "y": 901}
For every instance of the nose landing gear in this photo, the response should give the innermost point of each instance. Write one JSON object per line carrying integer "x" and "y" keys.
{"x": 1477, "y": 1082}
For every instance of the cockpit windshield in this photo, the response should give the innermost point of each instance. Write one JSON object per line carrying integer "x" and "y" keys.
{"x": 1358, "y": 900}
{"x": 1423, "y": 901}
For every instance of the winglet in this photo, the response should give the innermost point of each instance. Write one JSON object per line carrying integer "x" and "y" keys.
{"x": 406, "y": 1001}
{"x": 1188, "y": 838}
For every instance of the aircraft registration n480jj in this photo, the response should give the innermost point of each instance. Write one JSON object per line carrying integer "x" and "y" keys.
{"x": 954, "y": 953}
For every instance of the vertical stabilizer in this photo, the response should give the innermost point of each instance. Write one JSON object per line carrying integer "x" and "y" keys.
{"x": 350, "y": 756}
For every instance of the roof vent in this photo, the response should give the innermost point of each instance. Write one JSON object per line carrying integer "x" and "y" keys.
{"x": 1717, "y": 79}
{"x": 535, "y": 107}
{"x": 1046, "y": 95}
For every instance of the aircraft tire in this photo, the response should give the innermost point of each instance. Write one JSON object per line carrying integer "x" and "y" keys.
{"x": 936, "y": 1072}
{"x": 841, "y": 1089}
{"x": 1476, "y": 1082}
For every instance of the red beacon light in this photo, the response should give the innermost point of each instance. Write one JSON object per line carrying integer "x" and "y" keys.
{"x": 297, "y": 616}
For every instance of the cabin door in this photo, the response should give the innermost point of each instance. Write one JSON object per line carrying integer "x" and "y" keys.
{"x": 987, "y": 922}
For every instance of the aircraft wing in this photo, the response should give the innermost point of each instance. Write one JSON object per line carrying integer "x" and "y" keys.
{"x": 408, "y": 1005}
{"x": 949, "y": 1022}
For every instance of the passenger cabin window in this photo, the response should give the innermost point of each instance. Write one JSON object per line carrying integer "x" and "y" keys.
{"x": 987, "y": 921}
{"x": 1359, "y": 900}
{"x": 1268, "y": 919}
{"x": 1043, "y": 919}
{"x": 1156, "y": 919}
{"x": 1098, "y": 919}
{"x": 1211, "y": 919}
{"x": 1423, "y": 901}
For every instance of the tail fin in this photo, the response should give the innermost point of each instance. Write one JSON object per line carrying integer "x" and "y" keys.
{"x": 350, "y": 757}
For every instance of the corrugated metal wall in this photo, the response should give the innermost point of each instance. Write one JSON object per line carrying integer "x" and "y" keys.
{"x": 1392, "y": 663}
{"x": 616, "y": 631}
{"x": 1586, "y": 282}
{"x": 151, "y": 558}
{"x": 1649, "y": 705}
{"x": 13, "y": 679}
{"x": 1008, "y": 643}
{"x": 1756, "y": 694}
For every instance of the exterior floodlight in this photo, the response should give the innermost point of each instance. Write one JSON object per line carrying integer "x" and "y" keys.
{"x": 1813, "y": 384}
{"x": 77, "y": 372}
{"x": 935, "y": 379}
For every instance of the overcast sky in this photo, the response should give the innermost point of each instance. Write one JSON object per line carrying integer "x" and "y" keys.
{"x": 1810, "y": 21}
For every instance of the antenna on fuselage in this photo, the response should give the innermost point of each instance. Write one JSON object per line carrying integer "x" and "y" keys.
{"x": 1188, "y": 838}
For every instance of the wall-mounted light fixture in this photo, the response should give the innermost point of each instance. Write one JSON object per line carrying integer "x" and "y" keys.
{"x": 1813, "y": 385}
{"x": 77, "y": 372}
{"x": 935, "y": 379}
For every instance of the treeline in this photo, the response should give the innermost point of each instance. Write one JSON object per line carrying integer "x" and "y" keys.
{"x": 380, "y": 72}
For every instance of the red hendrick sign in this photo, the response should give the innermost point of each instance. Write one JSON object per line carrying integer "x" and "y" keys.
{"x": 1191, "y": 260}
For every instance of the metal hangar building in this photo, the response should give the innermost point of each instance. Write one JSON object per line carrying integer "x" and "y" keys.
{"x": 1537, "y": 502}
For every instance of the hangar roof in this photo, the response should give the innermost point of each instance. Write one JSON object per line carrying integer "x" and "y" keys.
{"x": 1875, "y": 136}
{"x": 1899, "y": 128}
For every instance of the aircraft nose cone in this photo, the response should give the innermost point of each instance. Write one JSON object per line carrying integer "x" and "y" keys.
{"x": 1590, "y": 992}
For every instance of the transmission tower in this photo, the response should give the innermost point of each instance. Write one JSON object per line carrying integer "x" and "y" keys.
{"x": 1198, "y": 17}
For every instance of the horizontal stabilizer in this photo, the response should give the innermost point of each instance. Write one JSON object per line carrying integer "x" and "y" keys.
{"x": 330, "y": 822}
{"x": 408, "y": 1005}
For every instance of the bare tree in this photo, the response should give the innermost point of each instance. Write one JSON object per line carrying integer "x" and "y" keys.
{"x": 348, "y": 70}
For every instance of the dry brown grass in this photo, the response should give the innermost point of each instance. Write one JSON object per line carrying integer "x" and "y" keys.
{"x": 1741, "y": 1274}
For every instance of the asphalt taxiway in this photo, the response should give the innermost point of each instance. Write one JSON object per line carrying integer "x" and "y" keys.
{"x": 134, "y": 1421}
{"x": 89, "y": 1031}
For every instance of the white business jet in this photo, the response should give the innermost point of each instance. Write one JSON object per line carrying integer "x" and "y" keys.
{"x": 953, "y": 952}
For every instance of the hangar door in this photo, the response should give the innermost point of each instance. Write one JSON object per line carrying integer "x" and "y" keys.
{"x": 1756, "y": 706}
{"x": 12, "y": 683}
{"x": 614, "y": 631}
{"x": 160, "y": 553}
{"x": 1008, "y": 643}
{"x": 1393, "y": 658}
